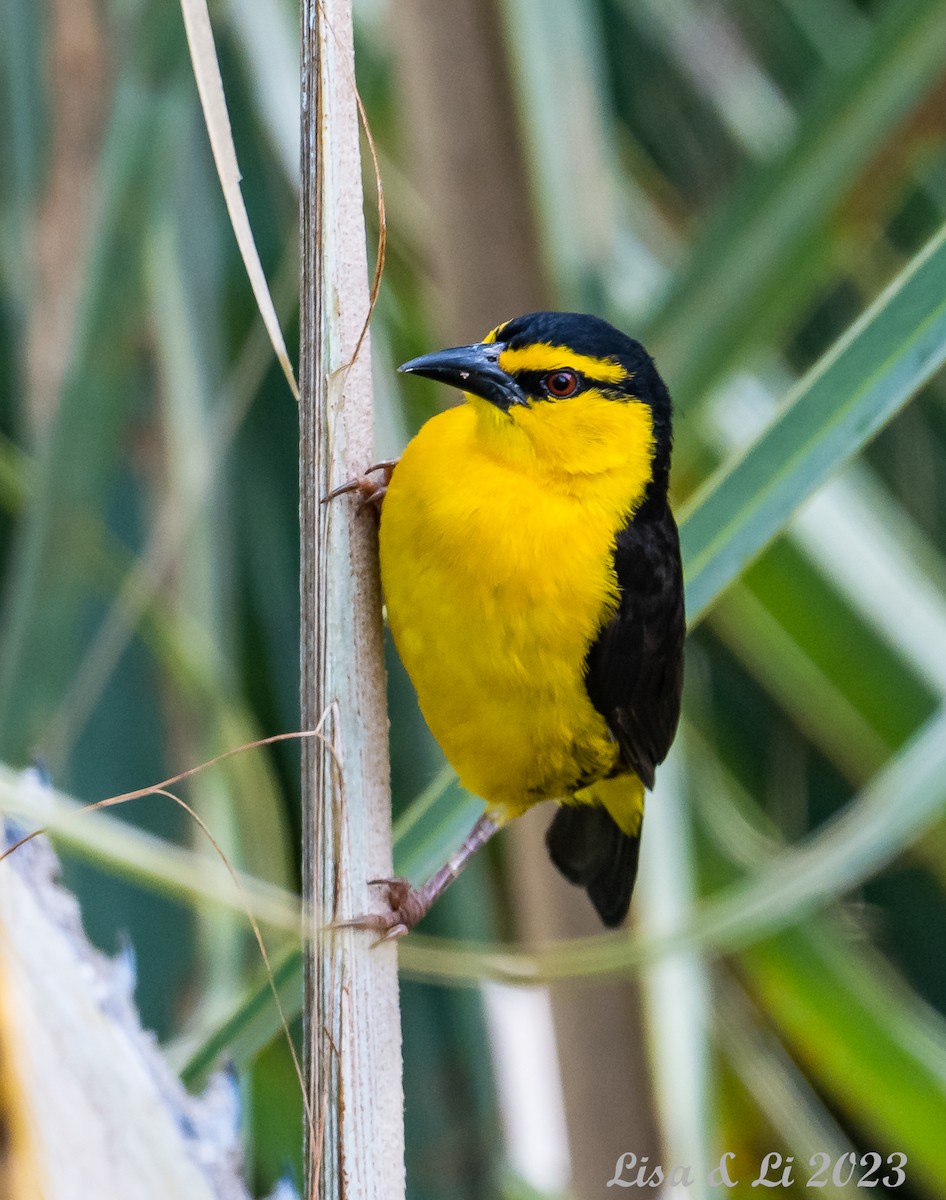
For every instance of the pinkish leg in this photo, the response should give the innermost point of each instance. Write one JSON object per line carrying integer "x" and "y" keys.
{"x": 406, "y": 904}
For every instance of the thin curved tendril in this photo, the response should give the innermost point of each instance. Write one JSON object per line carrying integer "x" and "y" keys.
{"x": 379, "y": 186}
{"x": 382, "y": 227}
{"x": 258, "y": 934}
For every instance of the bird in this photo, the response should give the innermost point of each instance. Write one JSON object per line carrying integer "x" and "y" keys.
{"x": 530, "y": 565}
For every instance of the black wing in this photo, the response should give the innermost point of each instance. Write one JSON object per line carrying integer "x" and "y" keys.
{"x": 634, "y": 677}
{"x": 634, "y": 669}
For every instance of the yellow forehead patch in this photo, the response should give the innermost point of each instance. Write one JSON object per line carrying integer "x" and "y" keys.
{"x": 540, "y": 356}
{"x": 493, "y": 333}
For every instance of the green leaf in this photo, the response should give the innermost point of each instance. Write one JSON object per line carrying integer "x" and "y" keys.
{"x": 793, "y": 1109}
{"x": 867, "y": 376}
{"x": 861, "y": 1038}
{"x": 830, "y": 669}
{"x": 42, "y": 618}
{"x": 748, "y": 262}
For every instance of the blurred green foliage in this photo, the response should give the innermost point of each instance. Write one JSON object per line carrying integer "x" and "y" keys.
{"x": 768, "y": 171}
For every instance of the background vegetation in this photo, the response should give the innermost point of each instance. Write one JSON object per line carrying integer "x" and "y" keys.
{"x": 735, "y": 183}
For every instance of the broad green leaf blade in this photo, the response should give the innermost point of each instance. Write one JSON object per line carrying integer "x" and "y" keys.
{"x": 577, "y": 221}
{"x": 870, "y": 373}
{"x": 75, "y": 472}
{"x": 776, "y": 1084}
{"x": 745, "y": 269}
{"x": 861, "y": 1038}
{"x": 840, "y": 683}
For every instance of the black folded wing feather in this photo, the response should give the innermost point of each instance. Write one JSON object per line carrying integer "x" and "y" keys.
{"x": 634, "y": 677}
{"x": 634, "y": 669}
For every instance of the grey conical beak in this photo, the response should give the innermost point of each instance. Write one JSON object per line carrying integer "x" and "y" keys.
{"x": 474, "y": 369}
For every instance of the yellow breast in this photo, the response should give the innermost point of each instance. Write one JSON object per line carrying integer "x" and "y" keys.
{"x": 497, "y": 573}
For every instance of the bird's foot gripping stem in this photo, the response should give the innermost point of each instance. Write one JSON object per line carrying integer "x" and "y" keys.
{"x": 371, "y": 492}
{"x": 406, "y": 904}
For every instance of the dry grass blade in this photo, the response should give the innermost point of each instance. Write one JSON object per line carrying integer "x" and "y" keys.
{"x": 210, "y": 86}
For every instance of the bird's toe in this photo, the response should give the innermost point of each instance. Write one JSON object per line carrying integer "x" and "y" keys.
{"x": 405, "y": 905}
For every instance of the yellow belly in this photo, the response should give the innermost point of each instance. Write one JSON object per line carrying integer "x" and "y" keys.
{"x": 496, "y": 585}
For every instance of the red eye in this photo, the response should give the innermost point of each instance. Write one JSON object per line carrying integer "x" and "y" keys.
{"x": 561, "y": 383}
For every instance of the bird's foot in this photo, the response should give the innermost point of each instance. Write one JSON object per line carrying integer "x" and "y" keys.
{"x": 405, "y": 907}
{"x": 406, "y": 904}
{"x": 370, "y": 492}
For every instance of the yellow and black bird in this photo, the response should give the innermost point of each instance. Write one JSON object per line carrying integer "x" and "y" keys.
{"x": 531, "y": 569}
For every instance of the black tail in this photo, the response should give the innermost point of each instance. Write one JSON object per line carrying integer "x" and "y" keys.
{"x": 590, "y": 850}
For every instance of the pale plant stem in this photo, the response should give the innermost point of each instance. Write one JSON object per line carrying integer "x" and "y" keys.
{"x": 353, "y": 1040}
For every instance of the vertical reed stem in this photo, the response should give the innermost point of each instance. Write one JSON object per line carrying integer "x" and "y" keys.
{"x": 353, "y": 1040}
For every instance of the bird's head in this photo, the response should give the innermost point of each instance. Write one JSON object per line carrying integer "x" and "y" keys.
{"x": 562, "y": 393}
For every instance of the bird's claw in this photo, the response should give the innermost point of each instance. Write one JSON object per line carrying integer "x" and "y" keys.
{"x": 405, "y": 907}
{"x": 371, "y": 493}
{"x": 393, "y": 934}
